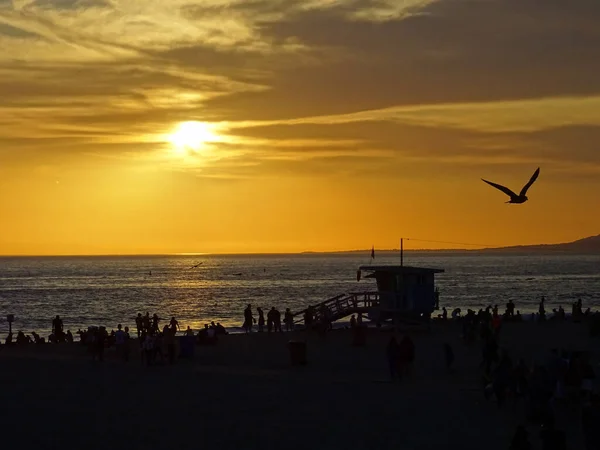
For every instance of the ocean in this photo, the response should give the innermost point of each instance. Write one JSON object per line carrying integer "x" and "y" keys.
{"x": 107, "y": 290}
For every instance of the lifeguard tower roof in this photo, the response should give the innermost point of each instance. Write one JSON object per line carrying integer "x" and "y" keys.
{"x": 405, "y": 270}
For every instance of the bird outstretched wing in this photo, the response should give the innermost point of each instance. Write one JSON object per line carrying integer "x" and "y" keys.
{"x": 531, "y": 181}
{"x": 504, "y": 189}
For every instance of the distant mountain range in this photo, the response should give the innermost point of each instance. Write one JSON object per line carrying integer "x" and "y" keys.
{"x": 588, "y": 245}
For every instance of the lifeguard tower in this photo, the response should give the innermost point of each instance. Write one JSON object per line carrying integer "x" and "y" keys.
{"x": 404, "y": 292}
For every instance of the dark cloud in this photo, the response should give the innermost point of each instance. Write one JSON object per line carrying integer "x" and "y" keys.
{"x": 70, "y": 4}
{"x": 455, "y": 51}
{"x": 10, "y": 31}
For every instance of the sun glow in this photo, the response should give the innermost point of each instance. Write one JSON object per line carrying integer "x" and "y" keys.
{"x": 192, "y": 136}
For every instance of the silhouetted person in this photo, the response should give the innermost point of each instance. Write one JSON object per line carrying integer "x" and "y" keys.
{"x": 169, "y": 337}
{"x": 308, "y": 317}
{"x": 289, "y": 320}
{"x": 221, "y": 329}
{"x": 542, "y": 308}
{"x": 69, "y": 337}
{"x": 57, "y": 328}
{"x": 120, "y": 341}
{"x": 277, "y": 321}
{"x": 155, "y": 321}
{"x": 146, "y": 323}
{"x": 174, "y": 324}
{"x": 248, "y": 319}
{"x": 270, "y": 319}
{"x": 352, "y": 321}
{"x": 261, "y": 320}
{"x": 139, "y": 324}
{"x": 510, "y": 308}
{"x": 444, "y": 315}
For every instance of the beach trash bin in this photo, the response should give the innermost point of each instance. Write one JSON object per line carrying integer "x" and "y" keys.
{"x": 186, "y": 346}
{"x": 297, "y": 351}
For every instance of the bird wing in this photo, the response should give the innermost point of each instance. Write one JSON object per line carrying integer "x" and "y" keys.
{"x": 504, "y": 189}
{"x": 531, "y": 181}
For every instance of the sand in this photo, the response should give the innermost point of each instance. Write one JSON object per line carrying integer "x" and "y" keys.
{"x": 244, "y": 394}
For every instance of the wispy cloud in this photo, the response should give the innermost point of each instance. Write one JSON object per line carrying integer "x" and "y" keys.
{"x": 315, "y": 85}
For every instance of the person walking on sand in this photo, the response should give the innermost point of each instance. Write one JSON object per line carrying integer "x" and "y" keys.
{"x": 248, "y": 319}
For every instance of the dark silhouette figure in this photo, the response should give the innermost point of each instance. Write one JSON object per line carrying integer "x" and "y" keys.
{"x": 288, "y": 318}
{"x": 542, "y": 308}
{"x": 248, "y": 319}
{"x": 57, "y": 329}
{"x": 139, "y": 324}
{"x": 510, "y": 308}
{"x": 516, "y": 198}
{"x": 277, "y": 321}
{"x": 271, "y": 320}
{"x": 261, "y": 320}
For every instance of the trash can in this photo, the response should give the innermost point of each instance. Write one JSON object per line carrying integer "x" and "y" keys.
{"x": 186, "y": 346}
{"x": 297, "y": 353}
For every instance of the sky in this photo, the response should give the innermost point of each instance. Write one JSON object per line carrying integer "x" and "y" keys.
{"x": 239, "y": 126}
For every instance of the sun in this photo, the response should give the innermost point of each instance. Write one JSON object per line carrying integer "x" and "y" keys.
{"x": 192, "y": 136}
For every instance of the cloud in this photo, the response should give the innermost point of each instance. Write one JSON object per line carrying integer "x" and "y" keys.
{"x": 334, "y": 87}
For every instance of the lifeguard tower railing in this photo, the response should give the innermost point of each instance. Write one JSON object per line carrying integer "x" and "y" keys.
{"x": 340, "y": 306}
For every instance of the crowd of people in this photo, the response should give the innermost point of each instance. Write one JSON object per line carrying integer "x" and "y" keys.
{"x": 273, "y": 321}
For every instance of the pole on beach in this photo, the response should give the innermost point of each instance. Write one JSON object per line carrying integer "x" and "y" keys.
{"x": 401, "y": 252}
{"x": 10, "y": 319}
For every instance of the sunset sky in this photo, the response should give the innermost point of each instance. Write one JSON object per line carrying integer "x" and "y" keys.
{"x": 226, "y": 126}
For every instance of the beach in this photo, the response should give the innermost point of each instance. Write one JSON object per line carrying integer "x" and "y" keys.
{"x": 244, "y": 393}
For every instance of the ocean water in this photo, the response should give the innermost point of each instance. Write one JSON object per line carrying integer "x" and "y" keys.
{"x": 106, "y": 291}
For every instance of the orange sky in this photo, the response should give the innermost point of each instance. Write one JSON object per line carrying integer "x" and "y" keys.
{"x": 307, "y": 125}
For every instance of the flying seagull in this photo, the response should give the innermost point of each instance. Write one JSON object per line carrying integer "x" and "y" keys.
{"x": 197, "y": 265}
{"x": 514, "y": 198}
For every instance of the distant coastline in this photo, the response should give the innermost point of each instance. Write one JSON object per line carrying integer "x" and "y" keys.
{"x": 586, "y": 246}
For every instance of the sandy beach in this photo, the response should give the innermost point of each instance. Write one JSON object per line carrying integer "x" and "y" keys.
{"x": 244, "y": 393}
